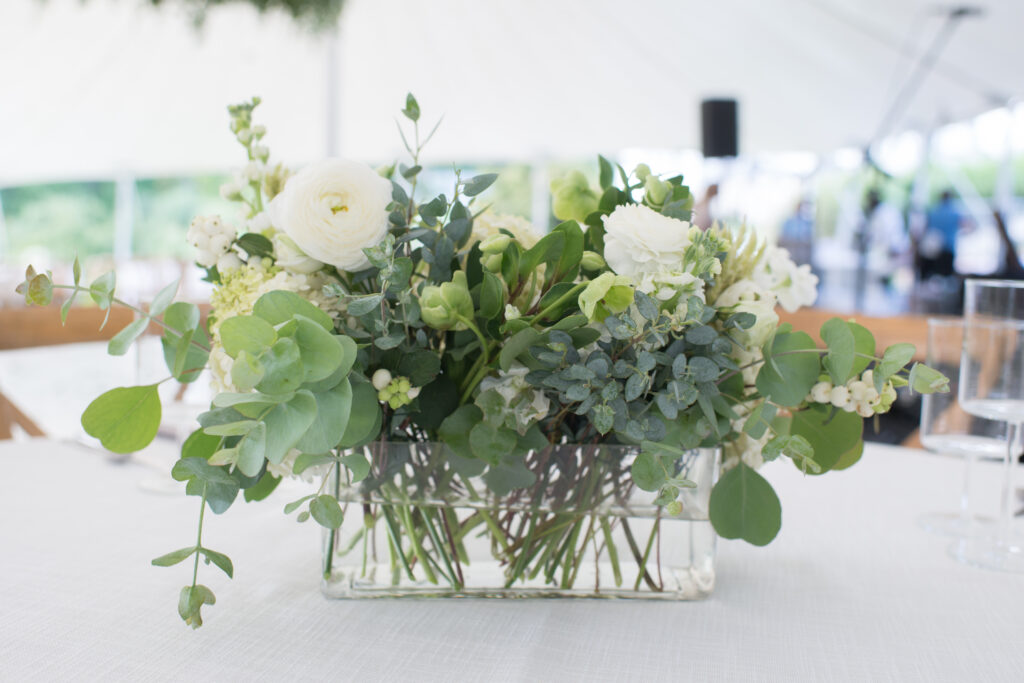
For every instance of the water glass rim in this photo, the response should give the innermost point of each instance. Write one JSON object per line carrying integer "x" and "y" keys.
{"x": 945, "y": 321}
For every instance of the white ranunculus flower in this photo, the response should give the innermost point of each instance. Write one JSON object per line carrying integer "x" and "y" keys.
{"x": 333, "y": 210}
{"x": 640, "y": 240}
{"x": 288, "y": 255}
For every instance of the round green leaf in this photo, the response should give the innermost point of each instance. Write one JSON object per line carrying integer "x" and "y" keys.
{"x": 831, "y": 436}
{"x": 744, "y": 505}
{"x": 282, "y": 367}
{"x": 281, "y": 306}
{"x": 326, "y": 511}
{"x": 125, "y": 419}
{"x": 321, "y": 351}
{"x": 246, "y": 333}
{"x": 287, "y": 423}
{"x": 787, "y": 377}
{"x": 364, "y": 420}
{"x": 332, "y": 413}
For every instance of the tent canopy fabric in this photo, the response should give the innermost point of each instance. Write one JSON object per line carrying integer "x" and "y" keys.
{"x": 108, "y": 87}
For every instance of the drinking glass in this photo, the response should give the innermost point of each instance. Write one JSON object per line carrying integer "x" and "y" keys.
{"x": 992, "y": 387}
{"x": 947, "y": 430}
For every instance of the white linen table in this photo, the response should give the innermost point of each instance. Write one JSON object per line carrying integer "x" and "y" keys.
{"x": 851, "y": 590}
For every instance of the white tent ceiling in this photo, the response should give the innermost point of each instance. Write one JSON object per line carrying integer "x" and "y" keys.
{"x": 110, "y": 86}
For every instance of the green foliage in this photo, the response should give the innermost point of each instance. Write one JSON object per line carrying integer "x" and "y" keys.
{"x": 125, "y": 419}
{"x": 744, "y": 505}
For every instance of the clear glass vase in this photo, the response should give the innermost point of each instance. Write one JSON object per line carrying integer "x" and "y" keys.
{"x": 428, "y": 523}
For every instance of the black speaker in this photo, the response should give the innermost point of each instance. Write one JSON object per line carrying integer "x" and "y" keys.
{"x": 719, "y": 128}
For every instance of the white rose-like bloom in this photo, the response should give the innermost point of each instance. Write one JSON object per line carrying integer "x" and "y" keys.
{"x": 333, "y": 209}
{"x": 640, "y": 240}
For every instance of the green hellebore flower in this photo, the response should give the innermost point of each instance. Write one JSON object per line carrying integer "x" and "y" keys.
{"x": 607, "y": 294}
{"x": 492, "y": 262}
{"x": 442, "y": 306}
{"x": 572, "y": 199}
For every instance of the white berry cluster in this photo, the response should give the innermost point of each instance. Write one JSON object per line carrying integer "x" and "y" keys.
{"x": 857, "y": 395}
{"x": 212, "y": 238}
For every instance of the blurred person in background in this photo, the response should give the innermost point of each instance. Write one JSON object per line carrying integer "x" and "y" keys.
{"x": 883, "y": 247}
{"x": 798, "y": 233}
{"x": 937, "y": 248}
{"x": 702, "y": 216}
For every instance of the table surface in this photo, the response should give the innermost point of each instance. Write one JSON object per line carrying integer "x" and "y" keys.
{"x": 851, "y": 590}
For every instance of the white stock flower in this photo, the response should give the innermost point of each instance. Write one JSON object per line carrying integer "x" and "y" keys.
{"x": 333, "y": 209}
{"x": 288, "y": 255}
{"x": 795, "y": 286}
{"x": 639, "y": 240}
{"x": 253, "y": 172}
{"x": 746, "y": 296}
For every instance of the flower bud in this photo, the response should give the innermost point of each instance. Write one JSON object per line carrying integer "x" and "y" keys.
{"x": 228, "y": 261}
{"x": 840, "y": 397}
{"x": 245, "y": 136}
{"x": 259, "y": 131}
{"x": 572, "y": 198}
{"x": 495, "y": 244}
{"x": 592, "y": 261}
{"x": 231, "y": 191}
{"x": 822, "y": 392}
{"x": 492, "y": 262}
{"x": 657, "y": 190}
{"x": 443, "y": 306}
{"x": 642, "y": 171}
{"x": 261, "y": 152}
{"x": 381, "y": 379}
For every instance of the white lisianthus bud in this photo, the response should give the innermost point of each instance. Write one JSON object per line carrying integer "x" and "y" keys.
{"x": 381, "y": 379}
{"x": 231, "y": 190}
{"x": 840, "y": 397}
{"x": 822, "y": 392}
{"x": 413, "y": 393}
{"x": 228, "y": 261}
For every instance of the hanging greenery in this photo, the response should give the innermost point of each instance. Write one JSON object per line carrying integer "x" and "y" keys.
{"x": 315, "y": 13}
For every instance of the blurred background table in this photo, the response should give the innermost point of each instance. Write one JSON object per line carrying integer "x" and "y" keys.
{"x": 850, "y": 590}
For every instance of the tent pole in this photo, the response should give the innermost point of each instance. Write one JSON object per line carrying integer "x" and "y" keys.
{"x": 333, "y": 95}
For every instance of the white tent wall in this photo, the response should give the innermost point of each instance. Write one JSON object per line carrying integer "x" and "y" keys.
{"x": 95, "y": 89}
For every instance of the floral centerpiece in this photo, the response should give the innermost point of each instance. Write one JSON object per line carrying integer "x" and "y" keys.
{"x": 448, "y": 378}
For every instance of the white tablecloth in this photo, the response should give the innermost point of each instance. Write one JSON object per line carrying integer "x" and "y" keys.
{"x": 850, "y": 590}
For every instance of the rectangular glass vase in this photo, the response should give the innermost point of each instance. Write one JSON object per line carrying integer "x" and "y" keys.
{"x": 428, "y": 523}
